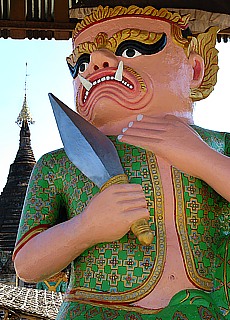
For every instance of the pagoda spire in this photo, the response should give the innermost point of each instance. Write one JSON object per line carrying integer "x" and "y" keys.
{"x": 25, "y": 152}
{"x": 12, "y": 197}
{"x": 24, "y": 115}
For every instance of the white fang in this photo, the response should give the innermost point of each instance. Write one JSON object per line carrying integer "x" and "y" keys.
{"x": 119, "y": 72}
{"x": 86, "y": 83}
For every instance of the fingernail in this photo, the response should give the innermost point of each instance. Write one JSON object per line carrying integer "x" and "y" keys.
{"x": 130, "y": 124}
{"x": 124, "y": 129}
{"x": 120, "y": 136}
{"x": 139, "y": 117}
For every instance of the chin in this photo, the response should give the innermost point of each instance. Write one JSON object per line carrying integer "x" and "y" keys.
{"x": 113, "y": 126}
{"x": 109, "y": 128}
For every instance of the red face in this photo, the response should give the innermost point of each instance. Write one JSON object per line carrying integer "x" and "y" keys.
{"x": 130, "y": 71}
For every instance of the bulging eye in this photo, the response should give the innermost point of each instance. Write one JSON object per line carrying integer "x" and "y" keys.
{"x": 83, "y": 66}
{"x": 134, "y": 48}
{"x": 131, "y": 53}
{"x": 80, "y": 66}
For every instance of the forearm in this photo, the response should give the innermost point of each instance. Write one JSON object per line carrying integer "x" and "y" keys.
{"x": 108, "y": 217}
{"x": 214, "y": 169}
{"x": 52, "y": 250}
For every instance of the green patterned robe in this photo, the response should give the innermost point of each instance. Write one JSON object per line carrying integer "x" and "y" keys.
{"x": 107, "y": 278}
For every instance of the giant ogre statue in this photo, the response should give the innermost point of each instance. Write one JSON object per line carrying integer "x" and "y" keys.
{"x": 136, "y": 74}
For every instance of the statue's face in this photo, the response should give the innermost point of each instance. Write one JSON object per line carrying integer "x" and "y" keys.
{"x": 155, "y": 79}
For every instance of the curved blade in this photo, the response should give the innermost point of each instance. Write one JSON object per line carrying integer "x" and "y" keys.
{"x": 87, "y": 147}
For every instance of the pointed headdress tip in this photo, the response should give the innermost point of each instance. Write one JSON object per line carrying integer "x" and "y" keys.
{"x": 101, "y": 13}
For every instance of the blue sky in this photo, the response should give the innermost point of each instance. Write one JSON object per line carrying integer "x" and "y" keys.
{"x": 48, "y": 72}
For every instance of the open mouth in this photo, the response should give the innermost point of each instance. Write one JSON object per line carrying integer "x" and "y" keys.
{"x": 103, "y": 79}
{"x": 117, "y": 77}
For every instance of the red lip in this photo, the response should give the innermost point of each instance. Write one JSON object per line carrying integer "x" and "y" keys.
{"x": 109, "y": 72}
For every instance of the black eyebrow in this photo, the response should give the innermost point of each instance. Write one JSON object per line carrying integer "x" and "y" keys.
{"x": 85, "y": 57}
{"x": 143, "y": 48}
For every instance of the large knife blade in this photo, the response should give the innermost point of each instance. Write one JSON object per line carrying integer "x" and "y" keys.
{"x": 94, "y": 155}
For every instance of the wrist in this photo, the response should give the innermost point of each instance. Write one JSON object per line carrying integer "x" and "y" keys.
{"x": 82, "y": 231}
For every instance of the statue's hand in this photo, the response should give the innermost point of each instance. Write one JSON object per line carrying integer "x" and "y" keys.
{"x": 170, "y": 138}
{"x": 110, "y": 214}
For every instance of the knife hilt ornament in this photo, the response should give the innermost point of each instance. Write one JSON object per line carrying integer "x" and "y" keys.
{"x": 140, "y": 228}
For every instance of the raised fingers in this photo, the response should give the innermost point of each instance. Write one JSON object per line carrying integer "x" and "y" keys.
{"x": 141, "y": 141}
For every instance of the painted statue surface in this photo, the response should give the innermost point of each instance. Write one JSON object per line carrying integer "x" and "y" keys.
{"x": 136, "y": 74}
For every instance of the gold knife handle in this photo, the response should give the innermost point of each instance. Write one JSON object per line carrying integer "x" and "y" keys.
{"x": 141, "y": 227}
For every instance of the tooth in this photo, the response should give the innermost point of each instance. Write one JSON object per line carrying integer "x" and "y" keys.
{"x": 86, "y": 83}
{"x": 107, "y": 78}
{"x": 103, "y": 79}
{"x": 119, "y": 72}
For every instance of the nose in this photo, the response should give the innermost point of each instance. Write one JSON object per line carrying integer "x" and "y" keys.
{"x": 101, "y": 59}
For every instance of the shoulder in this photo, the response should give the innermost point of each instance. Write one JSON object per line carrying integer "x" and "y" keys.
{"x": 52, "y": 158}
{"x": 58, "y": 163}
{"x": 54, "y": 155}
{"x": 219, "y": 141}
{"x": 52, "y": 161}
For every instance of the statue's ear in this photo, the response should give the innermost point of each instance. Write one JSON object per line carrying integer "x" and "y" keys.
{"x": 197, "y": 64}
